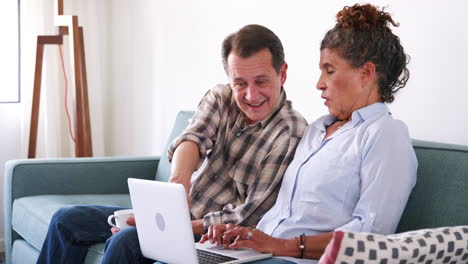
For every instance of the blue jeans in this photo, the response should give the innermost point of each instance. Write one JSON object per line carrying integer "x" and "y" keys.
{"x": 73, "y": 229}
{"x": 124, "y": 247}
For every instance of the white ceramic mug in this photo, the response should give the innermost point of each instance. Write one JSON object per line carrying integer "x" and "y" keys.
{"x": 121, "y": 217}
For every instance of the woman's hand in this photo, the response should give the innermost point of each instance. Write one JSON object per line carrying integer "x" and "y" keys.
{"x": 215, "y": 234}
{"x": 130, "y": 222}
{"x": 254, "y": 239}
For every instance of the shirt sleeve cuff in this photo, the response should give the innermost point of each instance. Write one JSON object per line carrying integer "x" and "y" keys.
{"x": 188, "y": 137}
{"x": 359, "y": 225}
{"x": 214, "y": 218}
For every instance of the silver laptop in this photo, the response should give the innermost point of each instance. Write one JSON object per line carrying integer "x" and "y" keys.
{"x": 165, "y": 230}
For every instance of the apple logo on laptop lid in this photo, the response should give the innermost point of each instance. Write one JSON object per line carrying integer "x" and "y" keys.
{"x": 160, "y": 222}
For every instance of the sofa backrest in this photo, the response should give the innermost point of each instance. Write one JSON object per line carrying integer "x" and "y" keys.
{"x": 440, "y": 197}
{"x": 164, "y": 168}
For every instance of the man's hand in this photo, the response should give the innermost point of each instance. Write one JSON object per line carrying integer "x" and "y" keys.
{"x": 130, "y": 222}
{"x": 197, "y": 226}
{"x": 215, "y": 234}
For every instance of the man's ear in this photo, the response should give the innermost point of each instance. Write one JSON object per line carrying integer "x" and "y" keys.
{"x": 283, "y": 73}
{"x": 368, "y": 72}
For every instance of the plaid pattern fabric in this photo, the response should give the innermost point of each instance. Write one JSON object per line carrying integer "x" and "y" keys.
{"x": 245, "y": 164}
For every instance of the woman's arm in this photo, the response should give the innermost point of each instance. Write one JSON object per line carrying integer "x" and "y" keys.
{"x": 387, "y": 176}
{"x": 314, "y": 246}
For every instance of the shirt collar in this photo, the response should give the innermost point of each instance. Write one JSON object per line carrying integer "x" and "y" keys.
{"x": 372, "y": 111}
{"x": 369, "y": 112}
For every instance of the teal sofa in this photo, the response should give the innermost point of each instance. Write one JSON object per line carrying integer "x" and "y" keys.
{"x": 35, "y": 189}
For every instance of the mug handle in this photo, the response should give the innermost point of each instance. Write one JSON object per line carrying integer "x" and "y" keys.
{"x": 109, "y": 220}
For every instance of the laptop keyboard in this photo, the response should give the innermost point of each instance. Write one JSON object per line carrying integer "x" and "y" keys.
{"x": 207, "y": 257}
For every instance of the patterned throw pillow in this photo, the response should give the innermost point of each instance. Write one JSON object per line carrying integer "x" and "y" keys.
{"x": 440, "y": 245}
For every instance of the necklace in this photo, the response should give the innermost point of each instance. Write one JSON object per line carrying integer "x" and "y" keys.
{"x": 341, "y": 123}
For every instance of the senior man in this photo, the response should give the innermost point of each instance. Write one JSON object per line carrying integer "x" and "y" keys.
{"x": 244, "y": 133}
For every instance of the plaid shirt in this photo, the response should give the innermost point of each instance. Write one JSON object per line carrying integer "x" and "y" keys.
{"x": 245, "y": 163}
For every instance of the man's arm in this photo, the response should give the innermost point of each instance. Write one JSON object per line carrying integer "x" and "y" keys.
{"x": 262, "y": 193}
{"x": 184, "y": 162}
{"x": 188, "y": 151}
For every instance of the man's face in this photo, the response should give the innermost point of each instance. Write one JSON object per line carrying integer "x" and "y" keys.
{"x": 255, "y": 84}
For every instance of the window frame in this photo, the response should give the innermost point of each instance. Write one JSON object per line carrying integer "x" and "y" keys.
{"x": 18, "y": 97}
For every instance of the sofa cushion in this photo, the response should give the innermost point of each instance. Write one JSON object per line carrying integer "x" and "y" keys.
{"x": 31, "y": 215}
{"x": 23, "y": 252}
{"x": 95, "y": 253}
{"x": 440, "y": 245}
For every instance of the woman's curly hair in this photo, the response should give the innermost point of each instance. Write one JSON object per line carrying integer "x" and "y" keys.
{"x": 362, "y": 34}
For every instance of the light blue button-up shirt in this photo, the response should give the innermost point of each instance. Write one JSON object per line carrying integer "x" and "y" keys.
{"x": 358, "y": 179}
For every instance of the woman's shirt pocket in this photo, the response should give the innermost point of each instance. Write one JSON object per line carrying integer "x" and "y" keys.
{"x": 327, "y": 179}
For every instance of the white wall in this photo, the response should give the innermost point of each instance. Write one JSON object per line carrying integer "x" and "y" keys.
{"x": 178, "y": 44}
{"x": 10, "y": 141}
{"x": 149, "y": 59}
{"x": 10, "y": 113}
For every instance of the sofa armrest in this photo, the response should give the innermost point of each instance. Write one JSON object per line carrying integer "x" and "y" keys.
{"x": 31, "y": 177}
{"x": 75, "y": 175}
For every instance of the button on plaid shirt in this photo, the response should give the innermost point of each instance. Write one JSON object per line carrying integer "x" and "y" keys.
{"x": 245, "y": 163}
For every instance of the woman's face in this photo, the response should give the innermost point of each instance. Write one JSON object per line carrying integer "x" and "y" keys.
{"x": 344, "y": 88}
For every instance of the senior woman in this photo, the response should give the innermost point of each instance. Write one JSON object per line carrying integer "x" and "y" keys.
{"x": 354, "y": 169}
